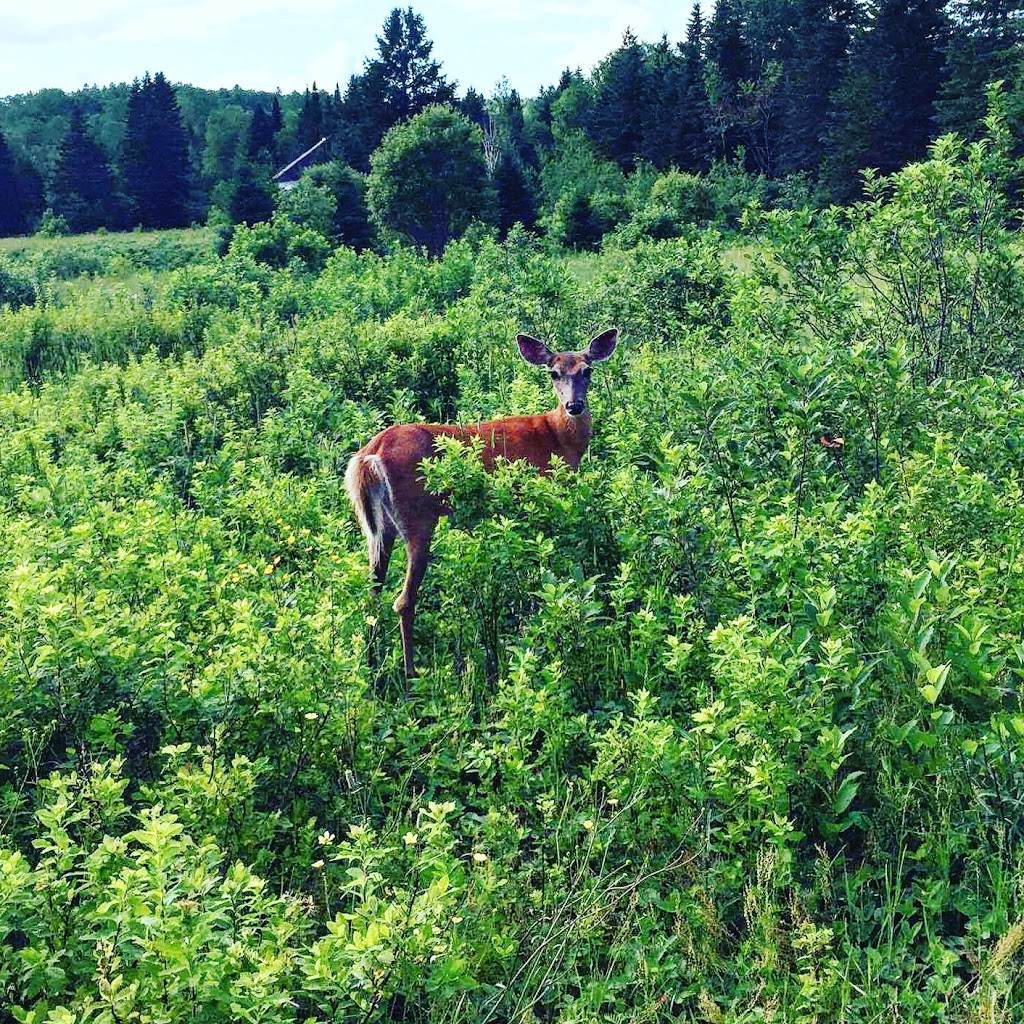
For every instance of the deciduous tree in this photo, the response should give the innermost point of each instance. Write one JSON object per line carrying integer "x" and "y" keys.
{"x": 428, "y": 180}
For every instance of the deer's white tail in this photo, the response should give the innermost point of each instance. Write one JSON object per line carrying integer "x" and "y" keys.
{"x": 369, "y": 490}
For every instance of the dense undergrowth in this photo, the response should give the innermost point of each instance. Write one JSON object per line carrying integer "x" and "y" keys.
{"x": 725, "y": 727}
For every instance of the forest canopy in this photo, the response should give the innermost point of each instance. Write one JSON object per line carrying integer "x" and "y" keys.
{"x": 799, "y": 95}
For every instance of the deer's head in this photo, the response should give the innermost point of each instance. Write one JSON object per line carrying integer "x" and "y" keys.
{"x": 570, "y": 371}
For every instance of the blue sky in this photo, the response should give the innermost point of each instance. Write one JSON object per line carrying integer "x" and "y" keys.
{"x": 289, "y": 44}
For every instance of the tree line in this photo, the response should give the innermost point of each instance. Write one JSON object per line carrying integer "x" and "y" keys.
{"x": 800, "y": 92}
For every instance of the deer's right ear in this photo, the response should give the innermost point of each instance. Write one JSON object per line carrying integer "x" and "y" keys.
{"x": 533, "y": 350}
{"x": 603, "y": 345}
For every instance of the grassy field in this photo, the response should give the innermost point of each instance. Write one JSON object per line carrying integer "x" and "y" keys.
{"x": 724, "y": 727}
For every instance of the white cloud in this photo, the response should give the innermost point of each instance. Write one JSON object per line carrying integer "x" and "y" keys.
{"x": 150, "y": 20}
{"x": 334, "y": 66}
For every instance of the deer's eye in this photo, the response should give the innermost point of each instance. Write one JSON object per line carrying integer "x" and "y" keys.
{"x": 585, "y": 374}
{"x": 555, "y": 375}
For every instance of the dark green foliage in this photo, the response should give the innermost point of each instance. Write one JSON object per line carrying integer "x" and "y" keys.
{"x": 621, "y": 88}
{"x": 20, "y": 193}
{"x": 428, "y": 180}
{"x": 252, "y": 196}
{"x": 516, "y": 202}
{"x": 310, "y": 127}
{"x": 16, "y": 287}
{"x": 261, "y": 135}
{"x": 154, "y": 155}
{"x": 983, "y": 46}
{"x": 473, "y": 107}
{"x": 400, "y": 81}
{"x": 812, "y": 76}
{"x": 82, "y": 190}
{"x": 412, "y": 78}
{"x": 350, "y": 223}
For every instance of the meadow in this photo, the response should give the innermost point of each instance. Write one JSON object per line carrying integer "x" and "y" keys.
{"x": 724, "y": 727}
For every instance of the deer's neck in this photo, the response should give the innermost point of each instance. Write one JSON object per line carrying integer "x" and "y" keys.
{"x": 573, "y": 433}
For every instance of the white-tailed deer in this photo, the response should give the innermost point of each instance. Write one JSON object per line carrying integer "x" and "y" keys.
{"x": 385, "y": 484}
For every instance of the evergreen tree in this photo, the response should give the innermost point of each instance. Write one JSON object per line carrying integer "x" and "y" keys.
{"x": 19, "y": 193}
{"x": 365, "y": 117}
{"x": 474, "y": 108}
{"x": 984, "y": 37}
{"x": 692, "y": 143}
{"x": 399, "y": 82}
{"x": 261, "y": 136}
{"x": 813, "y": 74}
{"x": 909, "y": 40}
{"x": 620, "y": 103}
{"x": 310, "y": 127}
{"x": 276, "y": 117}
{"x": 412, "y": 79}
{"x": 154, "y": 155}
{"x": 516, "y": 201}
{"x": 252, "y": 197}
{"x": 728, "y": 65}
{"x": 82, "y": 189}
{"x": 664, "y": 66}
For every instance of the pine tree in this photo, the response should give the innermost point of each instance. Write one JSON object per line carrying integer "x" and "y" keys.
{"x": 473, "y": 106}
{"x": 261, "y": 136}
{"x": 365, "y": 117}
{"x": 252, "y": 197}
{"x": 620, "y": 103}
{"x": 82, "y": 188}
{"x": 813, "y": 74}
{"x": 728, "y": 65}
{"x": 399, "y": 82}
{"x": 154, "y": 155}
{"x": 905, "y": 52}
{"x": 664, "y": 65}
{"x": 16, "y": 190}
{"x": 692, "y": 143}
{"x": 984, "y": 35}
{"x": 517, "y": 203}
{"x": 412, "y": 79}
{"x": 310, "y": 127}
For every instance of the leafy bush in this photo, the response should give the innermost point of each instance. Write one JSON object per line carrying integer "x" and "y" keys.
{"x": 725, "y": 725}
{"x": 16, "y": 289}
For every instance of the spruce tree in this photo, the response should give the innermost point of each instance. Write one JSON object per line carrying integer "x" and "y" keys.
{"x": 664, "y": 103}
{"x": 261, "y": 136}
{"x": 905, "y": 53}
{"x": 82, "y": 188}
{"x": 412, "y": 78}
{"x": 365, "y": 117}
{"x": 399, "y": 82}
{"x": 252, "y": 197}
{"x": 728, "y": 65}
{"x": 154, "y": 155}
{"x": 13, "y": 207}
{"x": 620, "y": 103}
{"x": 310, "y": 127}
{"x": 692, "y": 143}
{"x": 813, "y": 74}
{"x": 516, "y": 201}
{"x": 985, "y": 36}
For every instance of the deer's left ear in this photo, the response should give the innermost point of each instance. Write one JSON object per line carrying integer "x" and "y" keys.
{"x": 603, "y": 345}
{"x": 533, "y": 350}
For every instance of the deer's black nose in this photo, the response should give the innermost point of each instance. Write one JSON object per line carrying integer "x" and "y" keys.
{"x": 574, "y": 408}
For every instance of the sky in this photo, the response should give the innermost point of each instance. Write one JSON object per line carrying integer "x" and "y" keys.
{"x": 290, "y": 44}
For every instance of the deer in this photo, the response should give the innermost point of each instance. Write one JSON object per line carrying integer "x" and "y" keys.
{"x": 386, "y": 487}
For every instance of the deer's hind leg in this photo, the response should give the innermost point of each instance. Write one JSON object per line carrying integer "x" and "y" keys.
{"x": 383, "y": 551}
{"x": 417, "y": 554}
